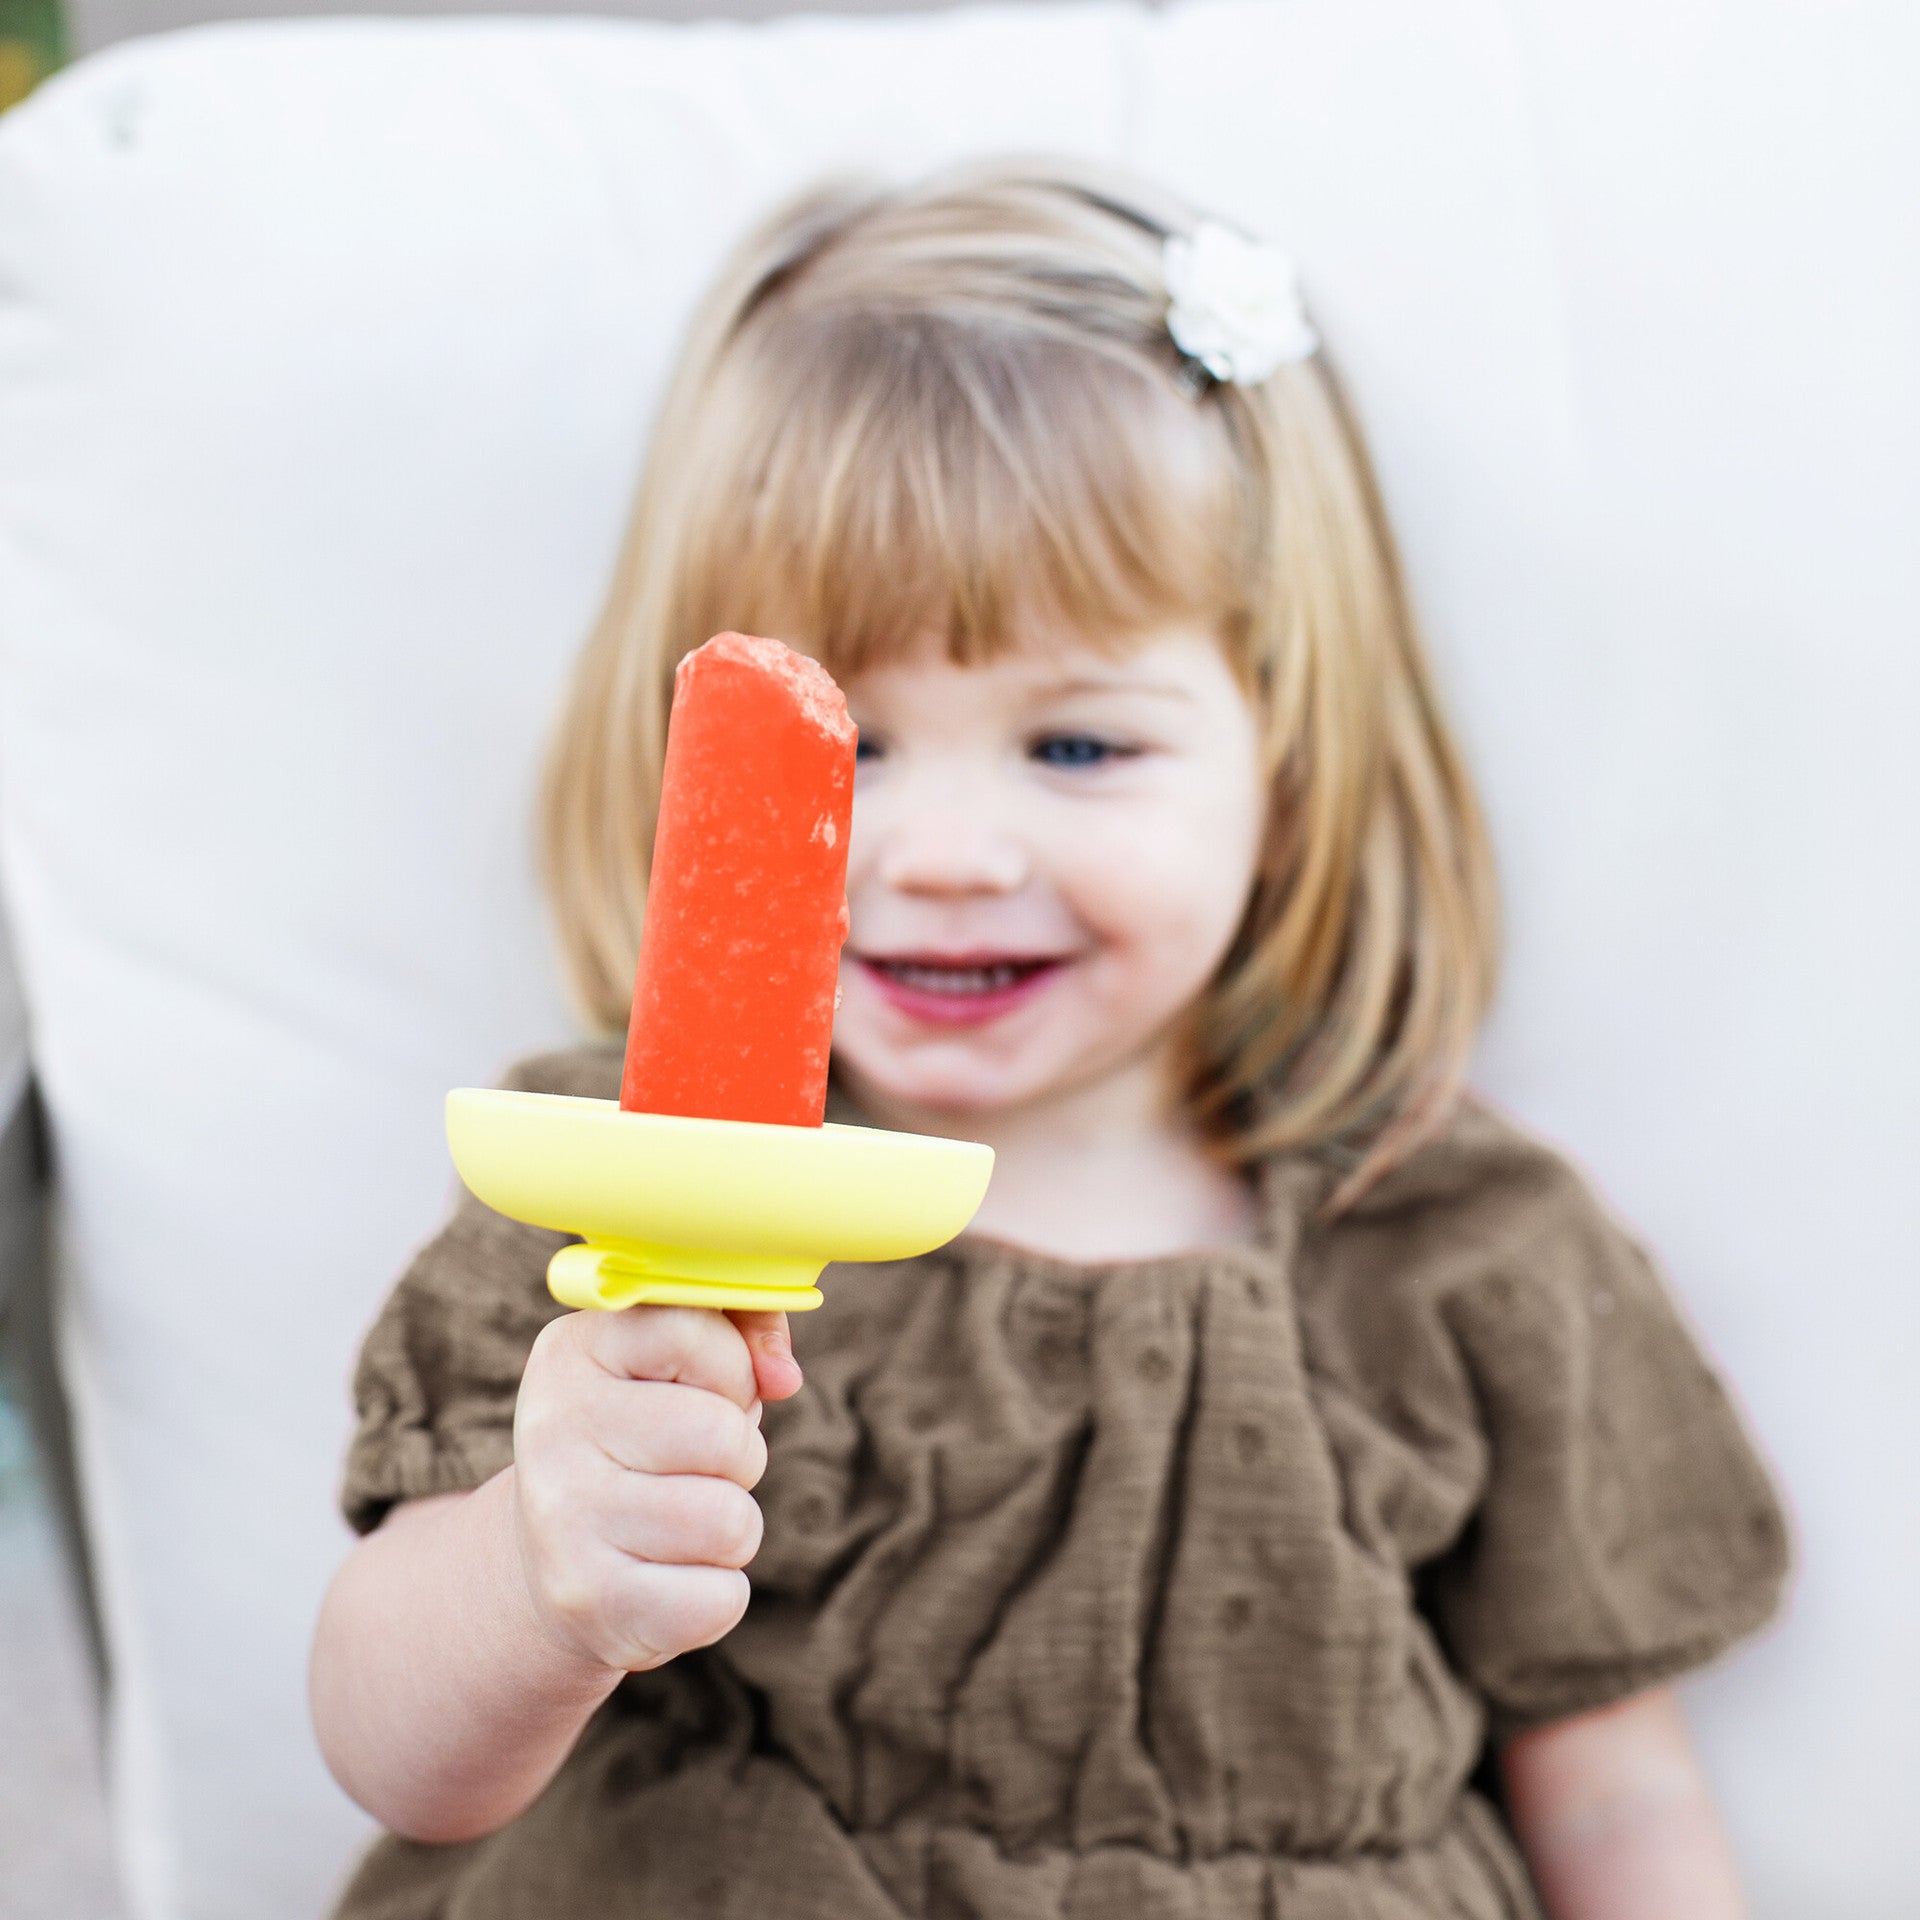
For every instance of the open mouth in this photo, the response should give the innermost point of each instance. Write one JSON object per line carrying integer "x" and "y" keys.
{"x": 959, "y": 989}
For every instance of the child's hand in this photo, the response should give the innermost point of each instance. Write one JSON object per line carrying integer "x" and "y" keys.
{"x": 636, "y": 1443}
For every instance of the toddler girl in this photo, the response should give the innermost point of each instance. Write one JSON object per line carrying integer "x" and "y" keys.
{"x": 1292, "y": 1496}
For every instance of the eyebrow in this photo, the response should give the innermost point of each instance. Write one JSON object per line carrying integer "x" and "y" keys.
{"x": 1158, "y": 689}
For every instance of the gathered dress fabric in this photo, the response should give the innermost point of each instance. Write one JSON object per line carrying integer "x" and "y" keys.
{"x": 1189, "y": 1588}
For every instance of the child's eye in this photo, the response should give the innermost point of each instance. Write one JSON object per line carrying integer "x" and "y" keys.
{"x": 866, "y": 746}
{"x": 1076, "y": 750}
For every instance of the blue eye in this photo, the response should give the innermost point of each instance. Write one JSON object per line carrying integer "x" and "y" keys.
{"x": 1074, "y": 750}
{"x": 866, "y": 747}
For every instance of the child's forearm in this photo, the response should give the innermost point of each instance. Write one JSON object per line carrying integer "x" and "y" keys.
{"x": 441, "y": 1704}
{"x": 1616, "y": 1818}
{"x": 468, "y": 1640}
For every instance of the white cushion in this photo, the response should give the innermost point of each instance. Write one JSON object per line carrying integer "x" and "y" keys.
{"x": 326, "y": 355}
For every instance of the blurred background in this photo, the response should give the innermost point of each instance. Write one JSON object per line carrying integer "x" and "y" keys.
{"x": 37, "y": 35}
{"x": 88, "y": 24}
{"x": 1640, "y": 352}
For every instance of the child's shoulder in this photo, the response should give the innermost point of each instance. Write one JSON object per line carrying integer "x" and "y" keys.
{"x": 588, "y": 1070}
{"x": 1481, "y": 1199}
{"x": 1482, "y": 1174}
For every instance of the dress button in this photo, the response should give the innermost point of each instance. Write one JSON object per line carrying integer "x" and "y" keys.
{"x": 1154, "y": 1366}
{"x": 812, "y": 1512}
{"x": 1052, "y": 1354}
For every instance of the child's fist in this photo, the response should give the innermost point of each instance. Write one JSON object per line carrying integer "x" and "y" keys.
{"x": 636, "y": 1441}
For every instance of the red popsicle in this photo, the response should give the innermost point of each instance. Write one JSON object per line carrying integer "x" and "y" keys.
{"x": 747, "y": 903}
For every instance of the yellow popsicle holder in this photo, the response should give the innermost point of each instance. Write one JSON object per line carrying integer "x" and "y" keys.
{"x": 707, "y": 1213}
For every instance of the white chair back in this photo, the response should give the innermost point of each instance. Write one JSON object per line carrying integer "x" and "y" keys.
{"x": 326, "y": 357}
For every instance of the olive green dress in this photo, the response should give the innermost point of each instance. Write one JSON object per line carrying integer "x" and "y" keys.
{"x": 1185, "y": 1587}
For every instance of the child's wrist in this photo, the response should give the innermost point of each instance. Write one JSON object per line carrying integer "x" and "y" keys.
{"x": 558, "y": 1665}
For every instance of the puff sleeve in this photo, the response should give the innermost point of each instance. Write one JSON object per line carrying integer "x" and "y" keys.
{"x": 439, "y": 1371}
{"x": 1626, "y": 1530}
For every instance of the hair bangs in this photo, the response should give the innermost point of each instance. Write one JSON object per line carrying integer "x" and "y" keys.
{"x": 918, "y": 481}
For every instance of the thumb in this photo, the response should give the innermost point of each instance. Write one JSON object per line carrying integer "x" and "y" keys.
{"x": 776, "y": 1372}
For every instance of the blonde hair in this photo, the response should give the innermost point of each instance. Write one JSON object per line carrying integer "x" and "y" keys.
{"x": 957, "y": 410}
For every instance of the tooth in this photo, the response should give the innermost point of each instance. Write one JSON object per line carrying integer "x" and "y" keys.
{"x": 987, "y": 977}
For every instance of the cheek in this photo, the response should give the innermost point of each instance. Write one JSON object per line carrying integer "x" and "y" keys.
{"x": 1167, "y": 886}
{"x": 869, "y": 819}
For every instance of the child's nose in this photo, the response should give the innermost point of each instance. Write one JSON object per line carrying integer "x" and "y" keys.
{"x": 949, "y": 853}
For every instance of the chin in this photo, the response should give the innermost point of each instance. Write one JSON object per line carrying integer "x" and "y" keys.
{"x": 955, "y": 1090}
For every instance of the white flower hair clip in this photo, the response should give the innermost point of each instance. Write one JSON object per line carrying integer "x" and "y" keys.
{"x": 1234, "y": 304}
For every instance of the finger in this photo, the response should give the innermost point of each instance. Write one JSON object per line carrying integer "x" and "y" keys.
{"x": 641, "y": 1613}
{"x": 661, "y": 1610}
{"x": 689, "y": 1344}
{"x": 684, "y": 1520}
{"x": 660, "y": 1426}
{"x": 770, "y": 1344}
